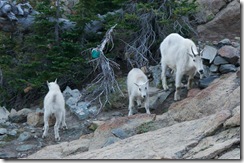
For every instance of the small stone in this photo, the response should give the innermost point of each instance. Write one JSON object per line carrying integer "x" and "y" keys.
{"x": 25, "y": 147}
{"x": 7, "y": 156}
{"x": 229, "y": 53}
{"x": 13, "y": 132}
{"x": 227, "y": 68}
{"x": 209, "y": 53}
{"x": 214, "y": 68}
{"x": 237, "y": 38}
{"x": 24, "y": 136}
{"x": 235, "y": 44}
{"x": 20, "y": 116}
{"x": 203, "y": 83}
{"x": 2, "y": 137}
{"x": 225, "y": 41}
{"x": 120, "y": 133}
{"x": 3, "y": 131}
{"x": 219, "y": 60}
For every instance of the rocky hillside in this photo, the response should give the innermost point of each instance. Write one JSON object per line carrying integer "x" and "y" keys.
{"x": 203, "y": 126}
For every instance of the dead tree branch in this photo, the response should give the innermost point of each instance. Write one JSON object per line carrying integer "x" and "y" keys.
{"x": 105, "y": 82}
{"x": 159, "y": 21}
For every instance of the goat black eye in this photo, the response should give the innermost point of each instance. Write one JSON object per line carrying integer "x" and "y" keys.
{"x": 146, "y": 88}
{"x": 139, "y": 89}
{"x": 194, "y": 60}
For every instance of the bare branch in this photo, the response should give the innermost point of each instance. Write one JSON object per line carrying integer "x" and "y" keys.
{"x": 105, "y": 82}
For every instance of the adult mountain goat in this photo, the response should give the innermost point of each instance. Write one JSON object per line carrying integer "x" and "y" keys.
{"x": 137, "y": 85}
{"x": 54, "y": 104}
{"x": 181, "y": 55}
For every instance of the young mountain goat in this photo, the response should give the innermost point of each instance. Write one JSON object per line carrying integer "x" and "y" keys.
{"x": 54, "y": 104}
{"x": 137, "y": 85}
{"x": 181, "y": 55}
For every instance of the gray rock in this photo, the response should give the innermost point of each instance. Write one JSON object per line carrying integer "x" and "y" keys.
{"x": 203, "y": 83}
{"x": 117, "y": 113}
{"x": 3, "y": 131}
{"x": 230, "y": 54}
{"x": 4, "y": 113}
{"x": 158, "y": 97}
{"x": 13, "y": 132}
{"x": 120, "y": 133}
{"x": 25, "y": 147}
{"x": 227, "y": 22}
{"x": 227, "y": 68}
{"x": 206, "y": 71}
{"x": 214, "y": 68}
{"x": 2, "y": 137}
{"x": 24, "y": 136}
{"x": 68, "y": 92}
{"x": 224, "y": 42}
{"x": 110, "y": 141}
{"x": 233, "y": 154}
{"x": 93, "y": 110}
{"x": 20, "y": 116}
{"x": 218, "y": 60}
{"x": 156, "y": 73}
{"x": 209, "y": 53}
{"x": 211, "y": 146}
{"x": 71, "y": 102}
{"x": 80, "y": 110}
{"x": 4, "y": 155}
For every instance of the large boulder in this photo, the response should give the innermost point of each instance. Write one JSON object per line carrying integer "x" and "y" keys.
{"x": 222, "y": 94}
{"x": 222, "y": 24}
{"x": 205, "y": 125}
{"x": 181, "y": 140}
{"x": 230, "y": 53}
{"x": 19, "y": 116}
{"x": 124, "y": 124}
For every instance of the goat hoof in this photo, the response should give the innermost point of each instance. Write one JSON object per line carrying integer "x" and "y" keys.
{"x": 57, "y": 139}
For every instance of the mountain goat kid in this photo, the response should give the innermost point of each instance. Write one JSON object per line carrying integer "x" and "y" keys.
{"x": 137, "y": 85}
{"x": 181, "y": 55}
{"x": 54, "y": 104}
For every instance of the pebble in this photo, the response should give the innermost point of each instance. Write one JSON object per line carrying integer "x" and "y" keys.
{"x": 227, "y": 68}
{"x": 25, "y": 147}
{"x": 24, "y": 136}
{"x": 120, "y": 133}
{"x": 203, "y": 83}
{"x": 13, "y": 132}
{"x": 3, "y": 131}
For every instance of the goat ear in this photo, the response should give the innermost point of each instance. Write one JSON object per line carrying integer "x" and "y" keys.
{"x": 55, "y": 81}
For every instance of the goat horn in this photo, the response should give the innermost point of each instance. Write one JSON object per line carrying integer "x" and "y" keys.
{"x": 193, "y": 52}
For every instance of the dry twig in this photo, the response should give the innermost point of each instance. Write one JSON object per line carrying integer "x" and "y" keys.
{"x": 105, "y": 82}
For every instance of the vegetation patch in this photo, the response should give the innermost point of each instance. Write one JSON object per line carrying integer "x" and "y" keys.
{"x": 145, "y": 127}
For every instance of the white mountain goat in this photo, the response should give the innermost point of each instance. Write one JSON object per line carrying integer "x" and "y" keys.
{"x": 137, "y": 85}
{"x": 181, "y": 55}
{"x": 54, "y": 104}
